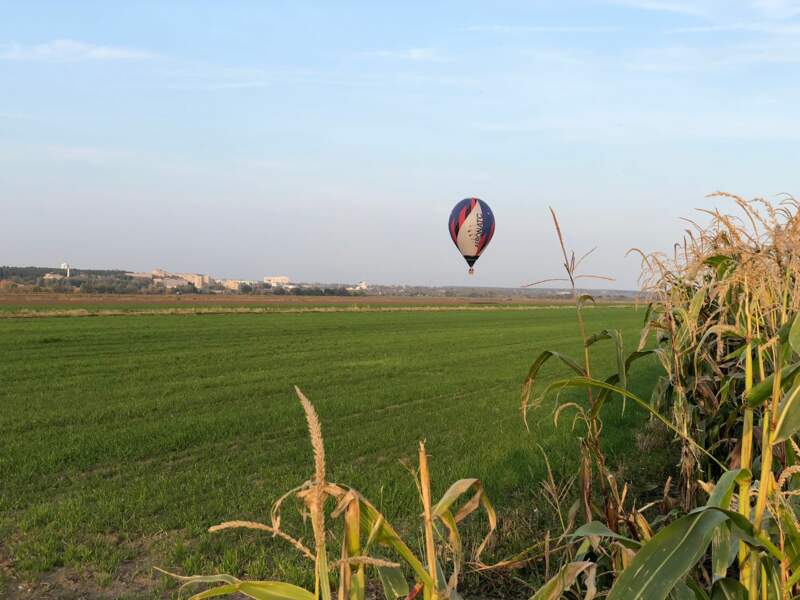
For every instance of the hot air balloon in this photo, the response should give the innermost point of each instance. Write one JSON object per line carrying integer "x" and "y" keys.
{"x": 471, "y": 227}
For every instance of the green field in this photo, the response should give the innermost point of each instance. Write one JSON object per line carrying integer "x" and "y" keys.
{"x": 124, "y": 438}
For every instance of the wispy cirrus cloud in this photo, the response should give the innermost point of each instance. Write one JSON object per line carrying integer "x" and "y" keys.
{"x": 58, "y": 153}
{"x": 611, "y": 127}
{"x": 719, "y": 10}
{"x": 412, "y": 54}
{"x": 695, "y": 9}
{"x": 84, "y": 154}
{"x": 755, "y": 27}
{"x": 778, "y": 8}
{"x": 543, "y": 29}
{"x": 66, "y": 50}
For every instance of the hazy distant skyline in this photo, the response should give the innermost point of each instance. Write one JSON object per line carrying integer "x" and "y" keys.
{"x": 328, "y": 141}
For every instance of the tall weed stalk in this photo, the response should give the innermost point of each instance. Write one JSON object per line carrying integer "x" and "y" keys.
{"x": 369, "y": 543}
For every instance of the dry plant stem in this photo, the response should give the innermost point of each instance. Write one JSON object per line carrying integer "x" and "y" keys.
{"x": 746, "y": 463}
{"x": 569, "y": 266}
{"x": 316, "y": 504}
{"x": 430, "y": 548}
{"x": 765, "y": 484}
{"x": 592, "y": 442}
{"x": 687, "y": 462}
{"x": 355, "y": 585}
{"x": 260, "y": 526}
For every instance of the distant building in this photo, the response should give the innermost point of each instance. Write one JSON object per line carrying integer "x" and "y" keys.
{"x": 173, "y": 280}
{"x": 361, "y": 286}
{"x": 235, "y": 284}
{"x": 277, "y": 281}
{"x": 201, "y": 282}
{"x": 53, "y": 276}
{"x": 229, "y": 284}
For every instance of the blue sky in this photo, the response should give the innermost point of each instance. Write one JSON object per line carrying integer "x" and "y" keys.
{"x": 329, "y": 140}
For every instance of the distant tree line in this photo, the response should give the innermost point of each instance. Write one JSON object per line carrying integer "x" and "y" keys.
{"x": 90, "y": 281}
{"x": 267, "y": 289}
{"x": 29, "y": 274}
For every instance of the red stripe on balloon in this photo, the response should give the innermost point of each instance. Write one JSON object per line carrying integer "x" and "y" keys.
{"x": 462, "y": 216}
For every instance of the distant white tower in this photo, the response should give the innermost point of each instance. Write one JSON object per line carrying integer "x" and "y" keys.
{"x": 65, "y": 266}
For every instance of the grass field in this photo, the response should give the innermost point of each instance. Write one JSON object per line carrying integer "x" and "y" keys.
{"x": 124, "y": 438}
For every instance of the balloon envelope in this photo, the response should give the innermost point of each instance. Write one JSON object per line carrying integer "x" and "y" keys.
{"x": 471, "y": 227}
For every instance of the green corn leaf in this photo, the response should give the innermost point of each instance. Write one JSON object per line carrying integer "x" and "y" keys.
{"x": 772, "y": 581}
{"x": 724, "y": 549}
{"x": 260, "y": 590}
{"x": 223, "y": 590}
{"x": 596, "y": 337}
{"x": 788, "y": 422}
{"x": 539, "y": 362}
{"x": 681, "y": 591}
{"x": 598, "y": 529}
{"x": 666, "y": 558}
{"x": 530, "y": 380}
{"x": 794, "y": 334}
{"x": 563, "y": 580}
{"x": 614, "y": 334}
{"x": 791, "y": 540}
{"x": 696, "y": 305}
{"x": 393, "y": 582}
{"x": 760, "y": 392}
{"x": 724, "y": 488}
{"x": 728, "y": 589}
{"x": 745, "y": 530}
{"x": 273, "y": 590}
{"x": 603, "y": 395}
{"x": 454, "y": 492}
{"x": 442, "y": 510}
{"x": 699, "y": 592}
{"x": 589, "y": 382}
{"x": 379, "y": 531}
{"x": 721, "y": 264}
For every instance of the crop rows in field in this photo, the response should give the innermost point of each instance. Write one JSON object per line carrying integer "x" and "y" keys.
{"x": 126, "y": 437}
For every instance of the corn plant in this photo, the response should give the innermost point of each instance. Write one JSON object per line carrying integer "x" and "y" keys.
{"x": 366, "y": 538}
{"x": 591, "y": 452}
{"x": 727, "y": 333}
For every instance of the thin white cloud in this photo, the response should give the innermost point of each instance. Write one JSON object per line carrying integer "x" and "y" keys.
{"x": 668, "y": 60}
{"x": 720, "y": 11}
{"x": 64, "y": 50}
{"x": 689, "y": 59}
{"x": 779, "y": 9}
{"x": 758, "y": 27}
{"x": 543, "y": 29}
{"x": 209, "y": 86}
{"x": 84, "y": 154}
{"x": 412, "y": 54}
{"x": 37, "y": 153}
{"x": 695, "y": 9}
{"x": 604, "y": 128}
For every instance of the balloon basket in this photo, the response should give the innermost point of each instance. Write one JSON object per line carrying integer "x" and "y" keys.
{"x": 471, "y": 271}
